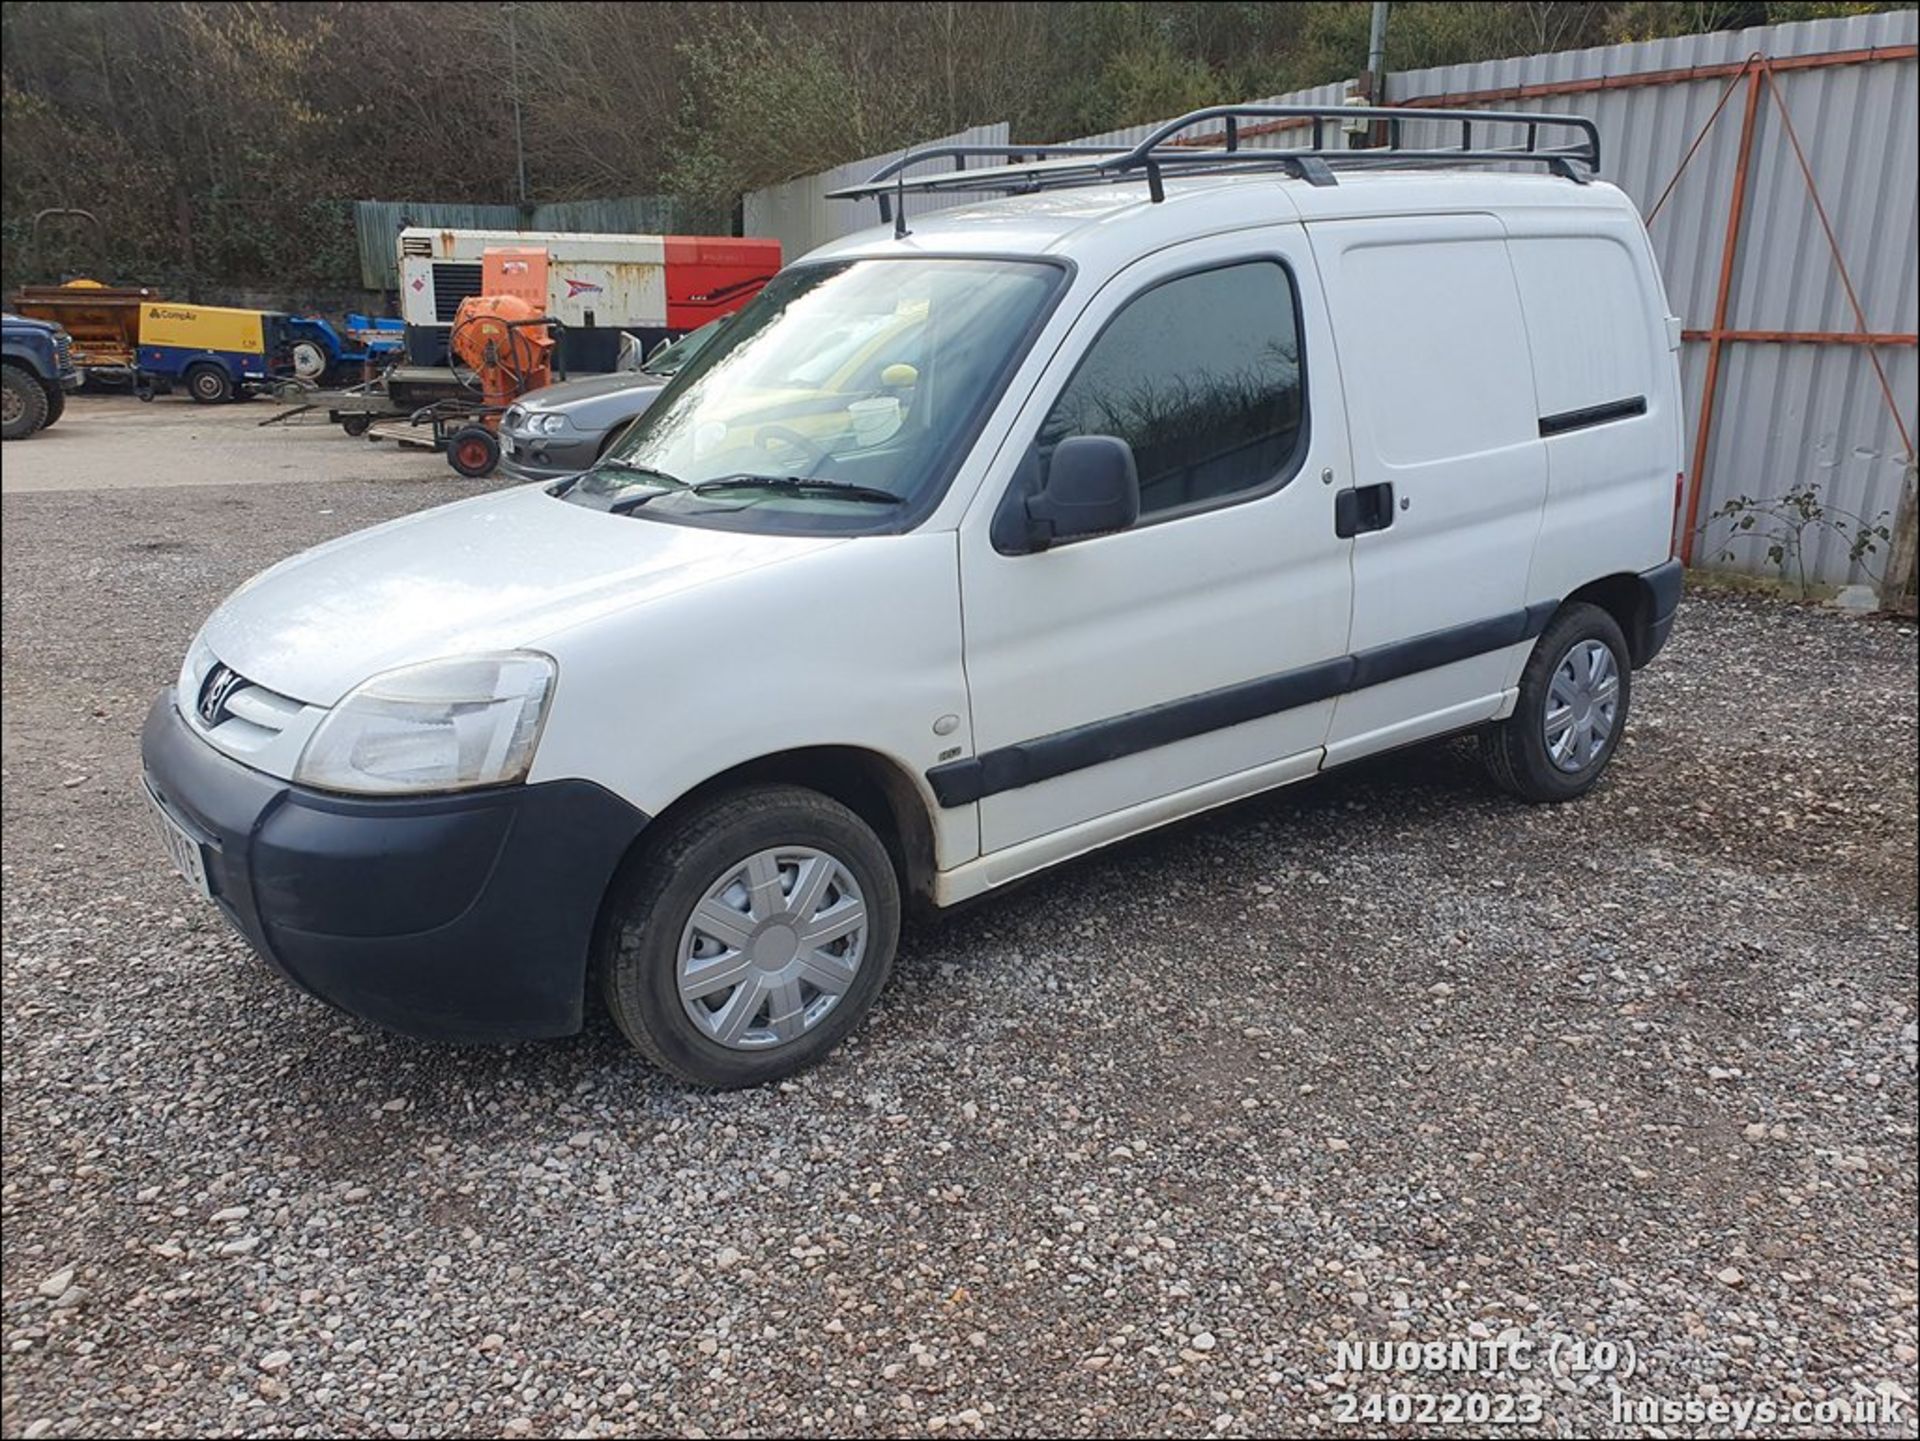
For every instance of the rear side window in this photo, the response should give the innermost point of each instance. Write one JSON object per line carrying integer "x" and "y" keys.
{"x": 1201, "y": 377}
{"x": 1589, "y": 320}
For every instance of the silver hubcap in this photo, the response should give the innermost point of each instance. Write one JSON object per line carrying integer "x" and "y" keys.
{"x": 15, "y": 407}
{"x": 1583, "y": 705}
{"x": 771, "y": 948}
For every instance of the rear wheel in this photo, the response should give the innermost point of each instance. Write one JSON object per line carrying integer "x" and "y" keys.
{"x": 23, "y": 404}
{"x": 209, "y": 384}
{"x": 1572, "y": 709}
{"x": 750, "y": 936}
{"x": 309, "y": 360}
{"x": 356, "y": 424}
{"x": 473, "y": 451}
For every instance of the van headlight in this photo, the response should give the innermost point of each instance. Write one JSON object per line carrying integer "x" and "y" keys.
{"x": 552, "y": 423}
{"x": 447, "y": 725}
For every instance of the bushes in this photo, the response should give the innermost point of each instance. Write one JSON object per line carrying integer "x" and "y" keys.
{"x": 224, "y": 142}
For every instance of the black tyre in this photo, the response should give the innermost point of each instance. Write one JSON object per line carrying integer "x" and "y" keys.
{"x": 1574, "y": 698}
{"x": 23, "y": 403}
{"x": 473, "y": 451}
{"x": 209, "y": 384}
{"x": 749, "y": 936}
{"x": 56, "y": 403}
{"x": 356, "y": 424}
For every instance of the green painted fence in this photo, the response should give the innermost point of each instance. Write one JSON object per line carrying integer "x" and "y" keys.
{"x": 377, "y": 222}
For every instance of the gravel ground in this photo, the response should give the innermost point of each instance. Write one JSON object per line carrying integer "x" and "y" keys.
{"x": 1125, "y": 1151}
{"x": 115, "y": 442}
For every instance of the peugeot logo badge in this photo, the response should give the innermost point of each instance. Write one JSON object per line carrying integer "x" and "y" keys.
{"x": 219, "y": 686}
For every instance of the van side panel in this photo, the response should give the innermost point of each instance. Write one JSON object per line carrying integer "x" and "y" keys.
{"x": 1609, "y": 401}
{"x": 856, "y": 644}
{"x": 174, "y": 327}
{"x": 1441, "y": 407}
{"x": 175, "y": 361}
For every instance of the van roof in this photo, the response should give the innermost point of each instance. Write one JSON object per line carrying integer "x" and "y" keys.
{"x": 1090, "y": 220}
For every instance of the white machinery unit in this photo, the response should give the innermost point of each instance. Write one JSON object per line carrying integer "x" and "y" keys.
{"x": 651, "y": 286}
{"x": 591, "y": 279}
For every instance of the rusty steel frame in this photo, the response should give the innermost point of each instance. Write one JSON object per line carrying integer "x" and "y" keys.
{"x": 1758, "y": 69}
{"x": 1467, "y": 99}
{"x": 1810, "y": 337}
{"x": 1839, "y": 261}
{"x": 1716, "y": 336}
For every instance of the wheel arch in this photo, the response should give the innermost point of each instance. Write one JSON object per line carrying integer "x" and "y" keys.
{"x": 22, "y": 357}
{"x": 872, "y": 786}
{"x": 1641, "y": 604}
{"x": 227, "y": 370}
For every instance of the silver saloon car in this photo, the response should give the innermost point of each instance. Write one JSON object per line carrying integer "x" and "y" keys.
{"x": 562, "y": 429}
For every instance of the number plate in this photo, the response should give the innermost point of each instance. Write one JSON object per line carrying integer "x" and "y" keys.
{"x": 182, "y": 849}
{"x": 506, "y": 443}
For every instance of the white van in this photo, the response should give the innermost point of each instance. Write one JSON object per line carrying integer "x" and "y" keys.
{"x": 971, "y": 545}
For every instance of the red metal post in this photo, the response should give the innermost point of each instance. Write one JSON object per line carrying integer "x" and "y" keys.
{"x": 1703, "y": 430}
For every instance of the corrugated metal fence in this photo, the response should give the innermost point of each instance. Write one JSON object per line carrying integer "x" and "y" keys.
{"x": 1786, "y": 411}
{"x": 1288, "y": 139}
{"x": 798, "y": 214}
{"x": 377, "y": 222}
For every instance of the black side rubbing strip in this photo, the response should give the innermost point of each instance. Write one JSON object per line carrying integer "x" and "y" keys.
{"x": 1592, "y": 415}
{"x": 957, "y": 783}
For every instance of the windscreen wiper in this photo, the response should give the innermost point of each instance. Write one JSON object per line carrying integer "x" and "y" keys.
{"x": 623, "y": 503}
{"x": 800, "y": 485}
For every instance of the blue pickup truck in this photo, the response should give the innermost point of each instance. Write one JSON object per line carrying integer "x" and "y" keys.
{"x": 39, "y": 371}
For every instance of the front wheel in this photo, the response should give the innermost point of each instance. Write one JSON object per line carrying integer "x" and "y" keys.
{"x": 25, "y": 403}
{"x": 750, "y": 936}
{"x": 56, "y": 402}
{"x": 1572, "y": 709}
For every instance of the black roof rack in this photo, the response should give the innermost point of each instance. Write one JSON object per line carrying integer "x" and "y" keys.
{"x": 1025, "y": 169}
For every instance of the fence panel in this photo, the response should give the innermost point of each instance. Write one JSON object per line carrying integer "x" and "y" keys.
{"x": 1287, "y": 137}
{"x": 798, "y": 214}
{"x": 377, "y": 222}
{"x": 1786, "y": 412}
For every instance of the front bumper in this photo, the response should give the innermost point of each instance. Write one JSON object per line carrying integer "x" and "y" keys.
{"x": 548, "y": 457}
{"x": 72, "y": 380}
{"x": 453, "y": 917}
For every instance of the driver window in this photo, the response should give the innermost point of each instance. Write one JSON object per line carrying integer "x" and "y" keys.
{"x": 1201, "y": 376}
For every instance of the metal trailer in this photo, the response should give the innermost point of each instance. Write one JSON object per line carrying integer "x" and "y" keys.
{"x": 397, "y": 393}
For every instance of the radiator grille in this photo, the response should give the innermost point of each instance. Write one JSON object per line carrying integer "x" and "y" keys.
{"x": 453, "y": 282}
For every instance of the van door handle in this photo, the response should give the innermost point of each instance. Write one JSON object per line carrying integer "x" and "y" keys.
{"x": 1363, "y": 508}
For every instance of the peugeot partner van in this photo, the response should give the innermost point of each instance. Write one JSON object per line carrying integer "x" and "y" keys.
{"x": 1187, "y": 472}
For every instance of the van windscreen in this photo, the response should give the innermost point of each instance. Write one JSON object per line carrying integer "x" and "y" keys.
{"x": 839, "y": 386}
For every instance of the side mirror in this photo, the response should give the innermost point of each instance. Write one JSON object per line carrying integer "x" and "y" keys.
{"x": 1092, "y": 489}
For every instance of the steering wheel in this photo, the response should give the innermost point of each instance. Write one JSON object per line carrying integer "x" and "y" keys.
{"x": 814, "y": 454}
